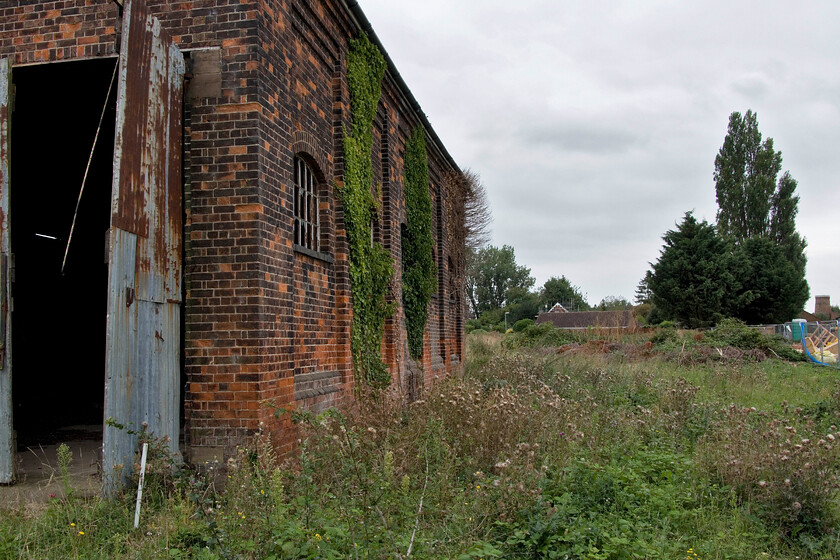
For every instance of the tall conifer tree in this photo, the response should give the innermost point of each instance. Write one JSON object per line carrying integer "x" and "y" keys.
{"x": 754, "y": 202}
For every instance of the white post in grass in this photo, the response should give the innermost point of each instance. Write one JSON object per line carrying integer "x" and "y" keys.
{"x": 140, "y": 485}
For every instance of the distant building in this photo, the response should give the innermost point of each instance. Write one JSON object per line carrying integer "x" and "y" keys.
{"x": 822, "y": 308}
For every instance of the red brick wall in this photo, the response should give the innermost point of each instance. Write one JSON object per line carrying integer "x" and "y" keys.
{"x": 265, "y": 321}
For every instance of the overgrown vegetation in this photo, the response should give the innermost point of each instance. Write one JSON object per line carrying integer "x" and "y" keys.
{"x": 419, "y": 271}
{"x": 371, "y": 266}
{"x": 540, "y": 450}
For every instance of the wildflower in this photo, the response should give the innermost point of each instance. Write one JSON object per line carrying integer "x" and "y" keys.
{"x": 262, "y": 492}
{"x": 82, "y": 533}
{"x": 317, "y": 537}
{"x": 72, "y": 524}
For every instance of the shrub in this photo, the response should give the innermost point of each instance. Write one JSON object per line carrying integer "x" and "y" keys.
{"x": 545, "y": 334}
{"x": 521, "y": 324}
{"x": 665, "y": 334}
{"x": 732, "y": 332}
{"x": 472, "y": 324}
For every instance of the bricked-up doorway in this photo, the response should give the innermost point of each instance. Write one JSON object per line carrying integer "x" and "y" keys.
{"x": 58, "y": 335}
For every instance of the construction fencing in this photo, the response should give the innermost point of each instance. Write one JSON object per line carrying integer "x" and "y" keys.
{"x": 818, "y": 340}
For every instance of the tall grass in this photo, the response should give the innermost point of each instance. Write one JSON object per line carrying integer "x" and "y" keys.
{"x": 602, "y": 451}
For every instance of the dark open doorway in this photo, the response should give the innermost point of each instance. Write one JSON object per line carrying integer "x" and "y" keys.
{"x": 58, "y": 320}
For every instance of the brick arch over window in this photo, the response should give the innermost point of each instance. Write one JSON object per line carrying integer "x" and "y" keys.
{"x": 305, "y": 143}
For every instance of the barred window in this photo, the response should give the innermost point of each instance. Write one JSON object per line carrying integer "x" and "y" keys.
{"x": 307, "y": 230}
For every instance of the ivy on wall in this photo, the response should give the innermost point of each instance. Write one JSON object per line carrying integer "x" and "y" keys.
{"x": 419, "y": 278}
{"x": 371, "y": 266}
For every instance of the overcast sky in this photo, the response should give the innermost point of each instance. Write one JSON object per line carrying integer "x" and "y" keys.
{"x": 594, "y": 125}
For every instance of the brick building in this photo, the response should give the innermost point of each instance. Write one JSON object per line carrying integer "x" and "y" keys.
{"x": 211, "y": 193}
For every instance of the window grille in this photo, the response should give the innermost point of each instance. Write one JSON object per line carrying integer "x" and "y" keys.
{"x": 307, "y": 230}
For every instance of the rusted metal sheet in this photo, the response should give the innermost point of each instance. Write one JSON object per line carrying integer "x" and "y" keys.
{"x": 6, "y": 440}
{"x": 145, "y": 263}
{"x": 120, "y": 359}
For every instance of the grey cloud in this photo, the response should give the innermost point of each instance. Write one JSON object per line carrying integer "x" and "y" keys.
{"x": 577, "y": 138}
{"x": 752, "y": 86}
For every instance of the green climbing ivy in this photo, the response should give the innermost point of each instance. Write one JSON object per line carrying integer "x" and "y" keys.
{"x": 419, "y": 280}
{"x": 371, "y": 266}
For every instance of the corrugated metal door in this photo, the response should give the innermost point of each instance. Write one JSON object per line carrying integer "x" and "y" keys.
{"x": 144, "y": 285}
{"x": 7, "y": 451}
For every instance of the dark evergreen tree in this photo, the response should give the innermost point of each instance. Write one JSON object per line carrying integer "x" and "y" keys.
{"x": 692, "y": 279}
{"x": 770, "y": 288}
{"x": 643, "y": 290}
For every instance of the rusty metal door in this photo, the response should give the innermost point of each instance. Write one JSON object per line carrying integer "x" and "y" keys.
{"x": 142, "y": 369}
{"x": 7, "y": 451}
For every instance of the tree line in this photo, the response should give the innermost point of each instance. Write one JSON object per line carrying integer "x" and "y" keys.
{"x": 497, "y": 286}
{"x": 749, "y": 264}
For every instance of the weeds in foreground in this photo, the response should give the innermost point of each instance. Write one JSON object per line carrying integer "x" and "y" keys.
{"x": 531, "y": 454}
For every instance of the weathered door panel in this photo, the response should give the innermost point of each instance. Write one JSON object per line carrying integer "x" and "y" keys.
{"x": 6, "y": 440}
{"x": 142, "y": 357}
{"x": 120, "y": 355}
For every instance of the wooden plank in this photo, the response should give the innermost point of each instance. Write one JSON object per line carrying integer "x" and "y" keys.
{"x": 7, "y": 451}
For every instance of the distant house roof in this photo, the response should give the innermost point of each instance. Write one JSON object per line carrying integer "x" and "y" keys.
{"x": 810, "y": 317}
{"x": 558, "y": 309}
{"x": 585, "y": 319}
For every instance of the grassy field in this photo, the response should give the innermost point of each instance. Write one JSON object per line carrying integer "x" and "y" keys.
{"x": 681, "y": 446}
